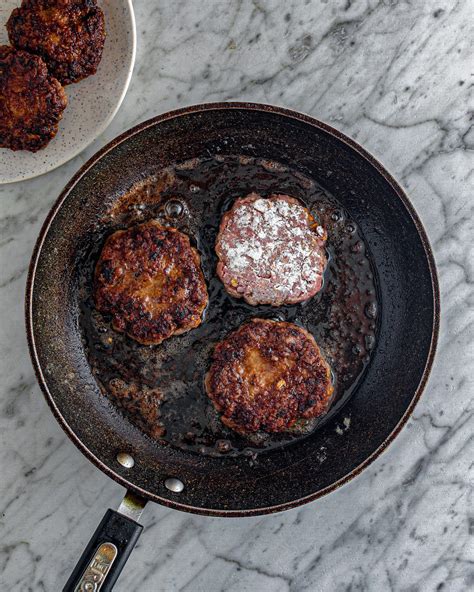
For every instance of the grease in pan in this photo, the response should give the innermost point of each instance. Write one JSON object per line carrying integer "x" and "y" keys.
{"x": 174, "y": 370}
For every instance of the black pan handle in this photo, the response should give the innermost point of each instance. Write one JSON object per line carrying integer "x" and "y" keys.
{"x": 107, "y": 552}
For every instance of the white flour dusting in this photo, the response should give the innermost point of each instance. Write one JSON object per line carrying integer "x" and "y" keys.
{"x": 268, "y": 249}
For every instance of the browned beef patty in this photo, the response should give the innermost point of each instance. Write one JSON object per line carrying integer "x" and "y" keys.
{"x": 149, "y": 279}
{"x": 68, "y": 34}
{"x": 266, "y": 375}
{"x": 271, "y": 250}
{"x": 31, "y": 101}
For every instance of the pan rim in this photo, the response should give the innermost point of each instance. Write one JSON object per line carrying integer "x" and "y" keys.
{"x": 222, "y": 106}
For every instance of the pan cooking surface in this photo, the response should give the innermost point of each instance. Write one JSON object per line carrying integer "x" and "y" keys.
{"x": 168, "y": 379}
{"x": 85, "y": 368}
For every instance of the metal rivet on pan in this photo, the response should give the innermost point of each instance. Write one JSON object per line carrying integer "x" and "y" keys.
{"x": 174, "y": 485}
{"x": 125, "y": 460}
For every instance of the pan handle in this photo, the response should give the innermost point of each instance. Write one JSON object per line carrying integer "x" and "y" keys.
{"x": 109, "y": 548}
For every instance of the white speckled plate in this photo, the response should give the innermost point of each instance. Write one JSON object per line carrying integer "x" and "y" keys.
{"x": 93, "y": 102}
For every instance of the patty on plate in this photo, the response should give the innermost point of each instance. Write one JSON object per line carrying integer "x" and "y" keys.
{"x": 267, "y": 375}
{"x": 149, "y": 279}
{"x": 31, "y": 101}
{"x": 68, "y": 34}
{"x": 271, "y": 250}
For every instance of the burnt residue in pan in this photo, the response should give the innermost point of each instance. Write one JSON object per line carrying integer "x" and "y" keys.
{"x": 161, "y": 388}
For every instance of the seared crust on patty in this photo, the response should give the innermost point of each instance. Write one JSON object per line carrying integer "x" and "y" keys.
{"x": 68, "y": 34}
{"x": 31, "y": 101}
{"x": 271, "y": 250}
{"x": 149, "y": 279}
{"x": 266, "y": 375}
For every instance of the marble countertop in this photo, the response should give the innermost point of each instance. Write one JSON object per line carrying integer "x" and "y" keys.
{"x": 394, "y": 75}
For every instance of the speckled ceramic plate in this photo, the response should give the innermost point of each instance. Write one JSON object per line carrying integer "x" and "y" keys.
{"x": 93, "y": 102}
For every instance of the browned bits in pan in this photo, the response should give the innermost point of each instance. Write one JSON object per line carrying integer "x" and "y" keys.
{"x": 267, "y": 375}
{"x": 149, "y": 279}
{"x": 142, "y": 402}
{"x": 31, "y": 101}
{"x": 68, "y": 34}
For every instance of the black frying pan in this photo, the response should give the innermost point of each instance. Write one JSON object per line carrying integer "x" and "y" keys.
{"x": 380, "y": 342}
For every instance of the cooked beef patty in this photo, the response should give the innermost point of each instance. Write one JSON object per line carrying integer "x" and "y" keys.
{"x": 266, "y": 375}
{"x": 68, "y": 34}
{"x": 149, "y": 279}
{"x": 271, "y": 251}
{"x": 31, "y": 101}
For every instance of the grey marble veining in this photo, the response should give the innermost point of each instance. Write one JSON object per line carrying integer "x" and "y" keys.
{"x": 395, "y": 75}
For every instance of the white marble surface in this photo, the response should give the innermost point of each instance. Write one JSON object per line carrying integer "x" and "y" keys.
{"x": 396, "y": 76}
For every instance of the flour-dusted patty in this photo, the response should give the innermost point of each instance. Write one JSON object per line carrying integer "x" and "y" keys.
{"x": 271, "y": 250}
{"x": 149, "y": 279}
{"x": 68, "y": 34}
{"x": 266, "y": 375}
{"x": 31, "y": 101}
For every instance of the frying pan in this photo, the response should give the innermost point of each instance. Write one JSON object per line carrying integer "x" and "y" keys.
{"x": 229, "y": 485}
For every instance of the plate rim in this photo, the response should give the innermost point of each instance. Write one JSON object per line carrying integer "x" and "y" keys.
{"x": 101, "y": 129}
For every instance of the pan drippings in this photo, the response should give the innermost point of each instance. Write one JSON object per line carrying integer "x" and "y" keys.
{"x": 161, "y": 388}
